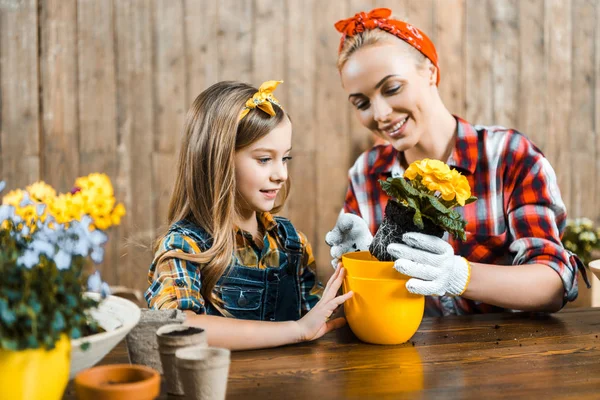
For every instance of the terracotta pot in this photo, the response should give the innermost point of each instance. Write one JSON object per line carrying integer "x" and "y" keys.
{"x": 203, "y": 372}
{"x": 381, "y": 311}
{"x": 118, "y": 382}
{"x": 171, "y": 338}
{"x": 48, "y": 370}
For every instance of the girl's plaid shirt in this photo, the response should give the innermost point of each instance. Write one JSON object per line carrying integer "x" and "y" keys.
{"x": 176, "y": 283}
{"x": 518, "y": 218}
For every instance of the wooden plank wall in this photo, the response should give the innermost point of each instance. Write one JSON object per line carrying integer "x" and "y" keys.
{"x": 103, "y": 85}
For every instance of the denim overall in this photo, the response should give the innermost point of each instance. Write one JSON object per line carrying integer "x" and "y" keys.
{"x": 271, "y": 294}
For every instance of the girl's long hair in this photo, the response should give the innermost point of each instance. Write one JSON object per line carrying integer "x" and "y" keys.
{"x": 205, "y": 186}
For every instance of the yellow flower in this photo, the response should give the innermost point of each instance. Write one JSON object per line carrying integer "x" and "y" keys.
{"x": 462, "y": 188}
{"x": 14, "y": 197}
{"x": 437, "y": 176}
{"x": 117, "y": 214}
{"x": 41, "y": 192}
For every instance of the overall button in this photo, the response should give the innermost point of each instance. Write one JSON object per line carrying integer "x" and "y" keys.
{"x": 242, "y": 301}
{"x": 180, "y": 283}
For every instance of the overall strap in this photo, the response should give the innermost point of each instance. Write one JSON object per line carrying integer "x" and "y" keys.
{"x": 289, "y": 236}
{"x": 200, "y": 236}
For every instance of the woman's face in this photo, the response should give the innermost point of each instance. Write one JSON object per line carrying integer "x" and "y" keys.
{"x": 389, "y": 92}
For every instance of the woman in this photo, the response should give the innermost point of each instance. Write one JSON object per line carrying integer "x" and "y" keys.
{"x": 515, "y": 257}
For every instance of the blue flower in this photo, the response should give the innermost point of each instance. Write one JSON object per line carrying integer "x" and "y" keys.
{"x": 62, "y": 259}
{"x": 94, "y": 282}
{"x": 104, "y": 290}
{"x": 6, "y": 212}
{"x": 28, "y": 259}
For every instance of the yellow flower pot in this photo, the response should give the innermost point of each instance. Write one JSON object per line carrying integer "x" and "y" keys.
{"x": 35, "y": 374}
{"x": 381, "y": 311}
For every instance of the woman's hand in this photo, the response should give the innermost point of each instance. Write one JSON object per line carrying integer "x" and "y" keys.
{"x": 431, "y": 263}
{"x": 351, "y": 233}
{"x": 316, "y": 323}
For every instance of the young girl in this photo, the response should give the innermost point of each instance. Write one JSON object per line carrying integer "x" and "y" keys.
{"x": 390, "y": 72}
{"x": 239, "y": 272}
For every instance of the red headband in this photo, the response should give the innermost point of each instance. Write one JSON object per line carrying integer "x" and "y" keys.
{"x": 378, "y": 18}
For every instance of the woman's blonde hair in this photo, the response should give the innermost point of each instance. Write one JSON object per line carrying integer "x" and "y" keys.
{"x": 372, "y": 37}
{"x": 205, "y": 186}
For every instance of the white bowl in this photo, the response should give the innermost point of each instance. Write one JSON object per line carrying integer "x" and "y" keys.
{"x": 117, "y": 316}
{"x": 595, "y": 267}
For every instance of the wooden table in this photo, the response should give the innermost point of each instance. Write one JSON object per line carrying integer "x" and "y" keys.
{"x": 483, "y": 356}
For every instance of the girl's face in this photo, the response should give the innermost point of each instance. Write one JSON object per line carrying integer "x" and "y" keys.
{"x": 389, "y": 93}
{"x": 261, "y": 169}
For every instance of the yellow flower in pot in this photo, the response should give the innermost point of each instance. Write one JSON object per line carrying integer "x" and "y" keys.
{"x": 44, "y": 247}
{"x": 382, "y": 311}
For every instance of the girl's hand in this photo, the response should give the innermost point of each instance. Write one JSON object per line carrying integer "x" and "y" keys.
{"x": 316, "y": 323}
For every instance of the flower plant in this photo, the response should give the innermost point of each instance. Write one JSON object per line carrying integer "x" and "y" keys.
{"x": 46, "y": 240}
{"x": 422, "y": 201}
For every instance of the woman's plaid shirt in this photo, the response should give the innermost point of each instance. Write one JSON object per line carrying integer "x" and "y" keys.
{"x": 176, "y": 283}
{"x": 518, "y": 218}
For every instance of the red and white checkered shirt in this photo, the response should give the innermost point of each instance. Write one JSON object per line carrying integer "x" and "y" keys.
{"x": 518, "y": 218}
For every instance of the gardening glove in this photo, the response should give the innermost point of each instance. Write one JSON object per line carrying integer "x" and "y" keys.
{"x": 431, "y": 263}
{"x": 351, "y": 233}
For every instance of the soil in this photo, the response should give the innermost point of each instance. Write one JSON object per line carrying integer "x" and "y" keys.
{"x": 88, "y": 330}
{"x": 186, "y": 332}
{"x": 397, "y": 221}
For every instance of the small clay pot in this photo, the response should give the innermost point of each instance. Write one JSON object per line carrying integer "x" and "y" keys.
{"x": 170, "y": 338}
{"x": 141, "y": 341}
{"x": 118, "y": 382}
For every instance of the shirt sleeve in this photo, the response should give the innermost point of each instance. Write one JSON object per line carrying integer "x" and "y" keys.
{"x": 537, "y": 217}
{"x": 311, "y": 289}
{"x": 175, "y": 283}
{"x": 350, "y": 202}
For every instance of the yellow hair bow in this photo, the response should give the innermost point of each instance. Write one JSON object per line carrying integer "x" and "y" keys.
{"x": 263, "y": 99}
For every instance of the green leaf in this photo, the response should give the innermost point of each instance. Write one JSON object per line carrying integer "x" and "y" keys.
{"x": 470, "y": 200}
{"x": 407, "y": 187}
{"x": 32, "y": 342}
{"x": 7, "y": 316}
{"x": 438, "y": 205}
{"x": 9, "y": 344}
{"x": 58, "y": 322}
{"x": 391, "y": 190}
{"x": 417, "y": 220}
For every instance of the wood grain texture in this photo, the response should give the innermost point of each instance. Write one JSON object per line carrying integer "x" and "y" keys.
{"x": 169, "y": 100}
{"x": 59, "y": 100}
{"x": 301, "y": 69}
{"x": 478, "y": 52}
{"x": 19, "y": 112}
{"x": 333, "y": 148}
{"x": 134, "y": 183}
{"x": 450, "y": 30}
{"x": 532, "y": 112}
{"x": 235, "y": 40}
{"x": 97, "y": 105}
{"x": 201, "y": 35}
{"x": 483, "y": 356}
{"x": 504, "y": 18}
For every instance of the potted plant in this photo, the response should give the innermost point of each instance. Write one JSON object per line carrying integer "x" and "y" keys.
{"x": 382, "y": 311}
{"x": 583, "y": 239}
{"x": 422, "y": 201}
{"x": 46, "y": 241}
